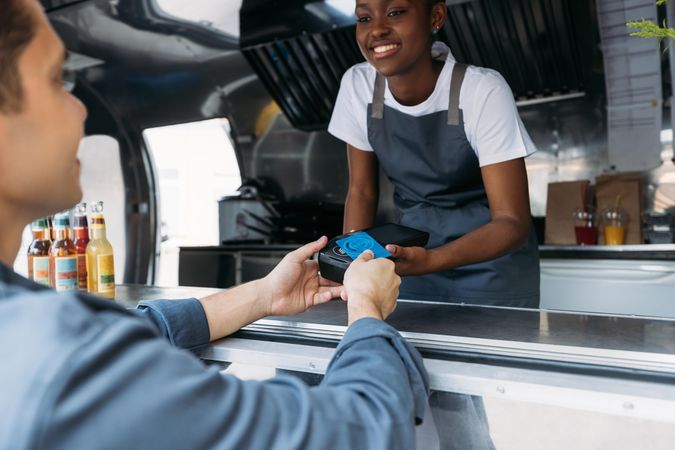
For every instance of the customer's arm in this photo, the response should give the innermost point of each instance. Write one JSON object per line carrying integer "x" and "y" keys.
{"x": 129, "y": 389}
{"x": 292, "y": 287}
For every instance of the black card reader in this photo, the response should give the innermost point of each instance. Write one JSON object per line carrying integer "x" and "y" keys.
{"x": 334, "y": 260}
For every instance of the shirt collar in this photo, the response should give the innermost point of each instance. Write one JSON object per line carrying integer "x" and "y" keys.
{"x": 441, "y": 52}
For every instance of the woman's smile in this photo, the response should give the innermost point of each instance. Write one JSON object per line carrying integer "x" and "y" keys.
{"x": 385, "y": 50}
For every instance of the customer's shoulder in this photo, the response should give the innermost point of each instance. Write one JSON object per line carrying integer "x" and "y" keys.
{"x": 45, "y": 338}
{"x": 43, "y": 318}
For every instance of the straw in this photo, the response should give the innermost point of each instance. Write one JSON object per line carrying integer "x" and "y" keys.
{"x": 617, "y": 202}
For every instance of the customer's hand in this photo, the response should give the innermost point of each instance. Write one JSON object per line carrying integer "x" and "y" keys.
{"x": 295, "y": 284}
{"x": 370, "y": 287}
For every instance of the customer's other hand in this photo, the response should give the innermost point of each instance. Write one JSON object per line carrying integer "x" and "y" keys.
{"x": 295, "y": 284}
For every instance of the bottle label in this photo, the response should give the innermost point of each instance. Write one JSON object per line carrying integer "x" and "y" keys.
{"x": 82, "y": 272}
{"x": 65, "y": 273}
{"x": 97, "y": 222}
{"x": 41, "y": 270}
{"x": 106, "y": 273}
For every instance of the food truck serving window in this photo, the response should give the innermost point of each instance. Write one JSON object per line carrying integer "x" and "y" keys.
{"x": 195, "y": 165}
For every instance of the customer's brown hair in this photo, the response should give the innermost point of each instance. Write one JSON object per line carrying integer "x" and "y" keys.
{"x": 17, "y": 28}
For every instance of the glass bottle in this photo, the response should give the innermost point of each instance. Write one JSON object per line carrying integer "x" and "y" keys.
{"x": 81, "y": 232}
{"x": 63, "y": 256}
{"x": 100, "y": 259}
{"x": 38, "y": 253}
{"x": 50, "y": 224}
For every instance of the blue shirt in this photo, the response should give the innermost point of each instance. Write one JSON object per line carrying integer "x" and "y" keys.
{"x": 77, "y": 372}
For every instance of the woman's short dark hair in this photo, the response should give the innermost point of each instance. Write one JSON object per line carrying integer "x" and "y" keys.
{"x": 17, "y": 28}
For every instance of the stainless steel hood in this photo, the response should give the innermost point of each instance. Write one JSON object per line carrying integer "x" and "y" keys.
{"x": 544, "y": 48}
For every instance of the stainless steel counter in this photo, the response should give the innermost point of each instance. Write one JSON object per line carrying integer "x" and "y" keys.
{"x": 130, "y": 294}
{"x": 612, "y": 248}
{"x": 651, "y": 252}
{"x": 450, "y": 331}
{"x": 611, "y": 379}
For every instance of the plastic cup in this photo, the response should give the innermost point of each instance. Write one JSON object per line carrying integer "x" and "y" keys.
{"x": 614, "y": 226}
{"x": 584, "y": 227}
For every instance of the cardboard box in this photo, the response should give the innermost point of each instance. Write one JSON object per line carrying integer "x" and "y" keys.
{"x": 628, "y": 186}
{"x": 562, "y": 200}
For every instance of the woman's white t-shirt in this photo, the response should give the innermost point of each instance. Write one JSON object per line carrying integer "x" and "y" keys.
{"x": 491, "y": 121}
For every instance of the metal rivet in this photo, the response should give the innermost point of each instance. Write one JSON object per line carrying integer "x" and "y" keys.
{"x": 312, "y": 365}
{"x": 628, "y": 405}
{"x": 501, "y": 389}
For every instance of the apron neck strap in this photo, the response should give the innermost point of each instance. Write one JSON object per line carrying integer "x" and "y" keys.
{"x": 378, "y": 98}
{"x": 458, "y": 73}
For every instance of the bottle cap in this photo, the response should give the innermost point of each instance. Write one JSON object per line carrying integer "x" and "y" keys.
{"x": 61, "y": 221}
{"x": 97, "y": 207}
{"x": 40, "y": 224}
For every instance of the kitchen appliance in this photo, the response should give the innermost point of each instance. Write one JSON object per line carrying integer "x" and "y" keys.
{"x": 247, "y": 216}
{"x": 334, "y": 260}
{"x": 659, "y": 228}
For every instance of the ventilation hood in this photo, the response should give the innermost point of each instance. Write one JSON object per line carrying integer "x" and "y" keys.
{"x": 301, "y": 48}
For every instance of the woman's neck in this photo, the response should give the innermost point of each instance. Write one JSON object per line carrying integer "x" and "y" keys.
{"x": 416, "y": 85}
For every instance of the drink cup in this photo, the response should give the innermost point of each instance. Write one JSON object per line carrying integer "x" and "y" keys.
{"x": 585, "y": 230}
{"x": 614, "y": 226}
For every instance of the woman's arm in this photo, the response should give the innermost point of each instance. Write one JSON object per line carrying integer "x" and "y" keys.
{"x": 508, "y": 196}
{"x": 361, "y": 202}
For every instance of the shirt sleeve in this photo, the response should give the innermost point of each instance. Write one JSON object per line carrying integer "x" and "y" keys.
{"x": 182, "y": 322}
{"x": 128, "y": 389}
{"x": 349, "y": 120}
{"x": 498, "y": 132}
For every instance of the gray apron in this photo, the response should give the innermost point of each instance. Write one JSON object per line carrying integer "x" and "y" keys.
{"x": 438, "y": 188}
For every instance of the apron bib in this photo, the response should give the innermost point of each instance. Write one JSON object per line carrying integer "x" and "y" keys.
{"x": 438, "y": 188}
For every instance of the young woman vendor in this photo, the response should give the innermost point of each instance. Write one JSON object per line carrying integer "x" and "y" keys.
{"x": 449, "y": 138}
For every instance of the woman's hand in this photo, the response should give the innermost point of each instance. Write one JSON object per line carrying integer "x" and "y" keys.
{"x": 295, "y": 284}
{"x": 410, "y": 260}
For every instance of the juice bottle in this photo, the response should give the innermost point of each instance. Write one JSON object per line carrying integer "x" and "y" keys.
{"x": 38, "y": 253}
{"x": 50, "y": 224}
{"x": 63, "y": 256}
{"x": 81, "y": 232}
{"x": 100, "y": 260}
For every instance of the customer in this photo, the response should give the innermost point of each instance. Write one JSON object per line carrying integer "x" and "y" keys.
{"x": 77, "y": 372}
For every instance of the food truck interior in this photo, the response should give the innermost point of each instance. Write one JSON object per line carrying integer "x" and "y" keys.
{"x": 206, "y": 139}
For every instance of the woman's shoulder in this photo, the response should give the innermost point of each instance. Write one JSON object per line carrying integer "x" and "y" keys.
{"x": 481, "y": 86}
{"x": 359, "y": 78}
{"x": 482, "y": 80}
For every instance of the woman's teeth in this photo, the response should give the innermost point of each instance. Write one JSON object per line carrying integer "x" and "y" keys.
{"x": 385, "y": 48}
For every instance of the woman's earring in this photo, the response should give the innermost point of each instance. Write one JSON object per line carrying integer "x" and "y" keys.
{"x": 434, "y": 30}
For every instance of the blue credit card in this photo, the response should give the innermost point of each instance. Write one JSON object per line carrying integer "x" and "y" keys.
{"x": 357, "y": 243}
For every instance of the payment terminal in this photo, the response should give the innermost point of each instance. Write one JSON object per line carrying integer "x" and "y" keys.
{"x": 335, "y": 258}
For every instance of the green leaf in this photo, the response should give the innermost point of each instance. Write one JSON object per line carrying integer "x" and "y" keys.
{"x": 648, "y": 29}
